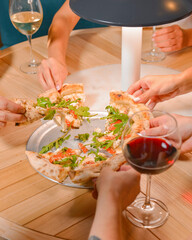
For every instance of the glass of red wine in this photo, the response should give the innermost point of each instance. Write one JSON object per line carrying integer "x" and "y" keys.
{"x": 150, "y": 144}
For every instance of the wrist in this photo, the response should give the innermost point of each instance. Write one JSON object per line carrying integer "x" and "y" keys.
{"x": 110, "y": 198}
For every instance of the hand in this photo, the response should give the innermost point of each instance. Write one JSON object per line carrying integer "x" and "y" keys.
{"x": 52, "y": 74}
{"x": 184, "y": 126}
{"x": 10, "y": 112}
{"x": 123, "y": 186}
{"x": 154, "y": 89}
{"x": 169, "y": 39}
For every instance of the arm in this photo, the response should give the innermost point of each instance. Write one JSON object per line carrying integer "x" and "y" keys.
{"x": 153, "y": 89}
{"x": 10, "y": 112}
{"x": 107, "y": 221}
{"x": 53, "y": 71}
{"x": 116, "y": 190}
{"x": 173, "y": 38}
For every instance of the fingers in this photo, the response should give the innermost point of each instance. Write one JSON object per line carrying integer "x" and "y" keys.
{"x": 167, "y": 30}
{"x": 134, "y": 87}
{"x": 52, "y": 74}
{"x": 42, "y": 80}
{"x": 46, "y": 76}
{"x": 152, "y": 102}
{"x": 186, "y": 146}
{"x": 58, "y": 73}
{"x": 168, "y": 47}
{"x": 125, "y": 168}
{"x": 11, "y": 117}
{"x": 8, "y": 105}
{"x": 155, "y": 131}
{"x": 169, "y": 38}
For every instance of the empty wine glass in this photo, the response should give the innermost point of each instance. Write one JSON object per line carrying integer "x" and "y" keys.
{"x": 154, "y": 55}
{"x": 26, "y": 16}
{"x": 150, "y": 152}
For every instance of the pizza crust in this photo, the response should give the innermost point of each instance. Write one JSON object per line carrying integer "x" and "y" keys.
{"x": 88, "y": 172}
{"x": 68, "y": 89}
{"x": 52, "y": 94}
{"x": 41, "y": 164}
{"x": 121, "y": 97}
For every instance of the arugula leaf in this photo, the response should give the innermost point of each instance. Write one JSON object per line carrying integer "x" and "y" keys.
{"x": 44, "y": 102}
{"x": 65, "y": 104}
{"x": 50, "y": 114}
{"x": 98, "y": 157}
{"x": 82, "y": 137}
{"x": 70, "y": 161}
{"x": 57, "y": 143}
{"x": 82, "y": 111}
{"x": 98, "y": 134}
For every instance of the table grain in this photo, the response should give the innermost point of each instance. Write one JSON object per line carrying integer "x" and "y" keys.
{"x": 32, "y": 207}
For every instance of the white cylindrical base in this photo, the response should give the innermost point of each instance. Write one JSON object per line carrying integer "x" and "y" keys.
{"x": 130, "y": 56}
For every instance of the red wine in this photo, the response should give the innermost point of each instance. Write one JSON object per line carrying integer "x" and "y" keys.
{"x": 150, "y": 155}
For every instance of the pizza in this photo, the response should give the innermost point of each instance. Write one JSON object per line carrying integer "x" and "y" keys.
{"x": 66, "y": 107}
{"x": 96, "y": 151}
{"x": 69, "y": 162}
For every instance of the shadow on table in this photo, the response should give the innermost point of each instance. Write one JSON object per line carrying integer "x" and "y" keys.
{"x": 185, "y": 156}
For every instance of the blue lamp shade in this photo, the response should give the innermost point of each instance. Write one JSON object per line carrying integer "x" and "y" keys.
{"x": 132, "y": 13}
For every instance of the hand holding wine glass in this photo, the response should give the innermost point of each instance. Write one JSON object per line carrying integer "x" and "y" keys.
{"x": 154, "y": 55}
{"x": 26, "y": 16}
{"x": 150, "y": 151}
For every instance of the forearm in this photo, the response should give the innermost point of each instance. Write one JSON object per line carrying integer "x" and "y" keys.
{"x": 107, "y": 222}
{"x": 58, "y": 41}
{"x": 63, "y": 23}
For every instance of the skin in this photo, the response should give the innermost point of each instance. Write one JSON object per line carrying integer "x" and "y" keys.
{"x": 10, "y": 112}
{"x": 184, "y": 127}
{"x": 53, "y": 70}
{"x": 112, "y": 199}
{"x": 172, "y": 38}
{"x": 153, "y": 89}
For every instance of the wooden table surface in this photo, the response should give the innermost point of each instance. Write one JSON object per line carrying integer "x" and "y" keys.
{"x": 32, "y": 207}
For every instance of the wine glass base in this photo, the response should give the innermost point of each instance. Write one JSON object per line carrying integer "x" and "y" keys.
{"x": 153, "y": 56}
{"x": 147, "y": 218}
{"x": 30, "y": 67}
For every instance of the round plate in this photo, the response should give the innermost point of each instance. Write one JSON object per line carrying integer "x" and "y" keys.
{"x": 49, "y": 132}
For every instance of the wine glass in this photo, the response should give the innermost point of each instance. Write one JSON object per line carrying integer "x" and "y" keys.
{"x": 150, "y": 151}
{"x": 154, "y": 55}
{"x": 26, "y": 16}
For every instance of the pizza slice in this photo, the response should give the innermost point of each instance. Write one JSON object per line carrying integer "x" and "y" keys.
{"x": 122, "y": 106}
{"x": 32, "y": 113}
{"x": 66, "y": 107}
{"x": 55, "y": 165}
{"x": 65, "y": 162}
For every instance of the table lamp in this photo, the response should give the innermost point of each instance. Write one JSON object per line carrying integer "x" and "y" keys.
{"x": 132, "y": 15}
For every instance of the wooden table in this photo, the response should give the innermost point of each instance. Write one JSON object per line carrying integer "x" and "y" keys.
{"x": 32, "y": 207}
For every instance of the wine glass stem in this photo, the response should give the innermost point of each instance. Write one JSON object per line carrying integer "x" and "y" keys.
{"x": 152, "y": 42}
{"x": 32, "y": 60}
{"x": 147, "y": 204}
